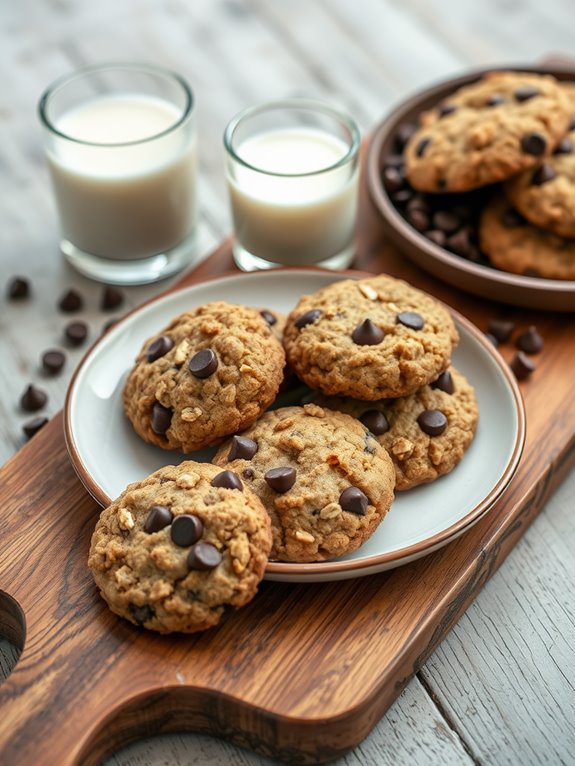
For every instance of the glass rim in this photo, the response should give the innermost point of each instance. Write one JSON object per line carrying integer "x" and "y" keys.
{"x": 303, "y": 104}
{"x": 65, "y": 80}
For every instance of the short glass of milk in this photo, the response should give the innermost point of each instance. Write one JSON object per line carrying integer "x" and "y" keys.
{"x": 120, "y": 141}
{"x": 292, "y": 172}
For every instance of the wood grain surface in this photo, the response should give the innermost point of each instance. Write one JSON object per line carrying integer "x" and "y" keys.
{"x": 330, "y": 658}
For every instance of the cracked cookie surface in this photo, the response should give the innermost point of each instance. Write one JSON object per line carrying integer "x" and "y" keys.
{"x": 212, "y": 371}
{"x": 174, "y": 552}
{"x": 323, "y": 478}
{"x": 369, "y": 338}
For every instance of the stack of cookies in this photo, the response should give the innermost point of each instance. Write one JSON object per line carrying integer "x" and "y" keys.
{"x": 299, "y": 483}
{"x": 489, "y": 174}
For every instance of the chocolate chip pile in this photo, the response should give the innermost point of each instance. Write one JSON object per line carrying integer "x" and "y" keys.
{"x": 528, "y": 342}
{"x": 52, "y": 361}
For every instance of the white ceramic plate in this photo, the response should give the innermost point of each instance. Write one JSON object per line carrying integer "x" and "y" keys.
{"x": 107, "y": 454}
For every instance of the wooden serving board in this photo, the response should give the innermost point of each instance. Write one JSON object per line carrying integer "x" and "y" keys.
{"x": 302, "y": 673}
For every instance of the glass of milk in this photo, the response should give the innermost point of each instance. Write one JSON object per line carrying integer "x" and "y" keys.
{"x": 292, "y": 172}
{"x": 120, "y": 141}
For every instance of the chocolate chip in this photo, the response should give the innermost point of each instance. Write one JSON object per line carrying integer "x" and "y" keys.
{"x": 307, "y": 318}
{"x": 460, "y": 242}
{"x": 525, "y": 93}
{"x": 432, "y": 422}
{"x": 403, "y": 196}
{"x": 404, "y": 133}
{"x": 375, "y": 421}
{"x": 248, "y": 473}
{"x": 186, "y": 530}
{"x": 500, "y": 329}
{"x": 410, "y": 319}
{"x": 227, "y": 480}
{"x": 112, "y": 298}
{"x": 422, "y": 146}
{"x": 543, "y": 174}
{"x": 31, "y": 427}
{"x": 159, "y": 516}
{"x": 392, "y": 179}
{"x": 445, "y": 109}
{"x": 521, "y": 366}
{"x": 394, "y": 161}
{"x": 204, "y": 556}
{"x": 353, "y": 500}
{"x": 161, "y": 418}
{"x": 270, "y": 318}
{"x": 530, "y": 341}
{"x": 76, "y": 333}
{"x": 434, "y": 235}
{"x": 53, "y": 361}
{"x": 159, "y": 348}
{"x": 495, "y": 100}
{"x": 280, "y": 479}
{"x": 142, "y": 614}
{"x": 71, "y": 301}
{"x": 367, "y": 334}
{"x": 565, "y": 146}
{"x": 242, "y": 448}
{"x": 444, "y": 382}
{"x": 446, "y": 220}
{"x": 418, "y": 219}
{"x": 203, "y": 364}
{"x": 33, "y": 399}
{"x": 18, "y": 288}
{"x": 534, "y": 143}
{"x": 441, "y": 183}
{"x": 418, "y": 202}
{"x": 511, "y": 219}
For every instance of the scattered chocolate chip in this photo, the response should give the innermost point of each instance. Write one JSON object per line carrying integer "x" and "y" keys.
{"x": 270, "y": 318}
{"x": 543, "y": 174}
{"x": 446, "y": 220}
{"x": 307, "y": 318}
{"x": 71, "y": 301}
{"x": 353, "y": 500}
{"x": 418, "y": 219}
{"x": 204, "y": 556}
{"x": 18, "y": 288}
{"x": 142, "y": 614}
{"x": 186, "y": 530}
{"x": 203, "y": 364}
{"x": 242, "y": 448}
{"x": 441, "y": 183}
{"x": 418, "y": 202}
{"x": 525, "y": 93}
{"x": 445, "y": 109}
{"x": 367, "y": 334}
{"x": 521, "y": 366}
{"x": 534, "y": 143}
{"x": 495, "y": 100}
{"x": 248, "y": 473}
{"x": 530, "y": 341}
{"x": 31, "y": 427}
{"x": 112, "y": 298}
{"x": 492, "y": 339}
{"x": 444, "y": 382}
{"x": 511, "y": 218}
{"x": 53, "y": 361}
{"x": 422, "y": 146}
{"x": 227, "y": 480}
{"x": 432, "y": 422}
{"x": 392, "y": 179}
{"x": 33, "y": 399}
{"x": 76, "y": 332}
{"x": 402, "y": 197}
{"x": 565, "y": 146}
{"x": 460, "y": 242}
{"x": 159, "y": 516}
{"x": 403, "y": 134}
{"x": 434, "y": 235}
{"x": 159, "y": 348}
{"x": 161, "y": 418}
{"x": 375, "y": 421}
{"x": 410, "y": 319}
{"x": 280, "y": 479}
{"x": 500, "y": 329}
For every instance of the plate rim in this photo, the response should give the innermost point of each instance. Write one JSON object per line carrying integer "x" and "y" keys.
{"x": 320, "y": 569}
{"x": 386, "y": 210}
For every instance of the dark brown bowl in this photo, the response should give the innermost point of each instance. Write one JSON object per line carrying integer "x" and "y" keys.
{"x": 482, "y": 280}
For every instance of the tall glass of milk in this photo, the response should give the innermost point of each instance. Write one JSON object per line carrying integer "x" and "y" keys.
{"x": 121, "y": 147}
{"x": 292, "y": 171}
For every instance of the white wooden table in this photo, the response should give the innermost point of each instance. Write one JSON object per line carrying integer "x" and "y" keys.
{"x": 500, "y": 688}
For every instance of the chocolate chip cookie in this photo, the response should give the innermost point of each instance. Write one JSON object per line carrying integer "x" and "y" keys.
{"x": 177, "y": 550}
{"x": 488, "y": 131}
{"x": 322, "y": 476}
{"x": 426, "y": 434}
{"x": 545, "y": 194}
{"x": 512, "y": 244}
{"x": 212, "y": 371}
{"x": 369, "y": 338}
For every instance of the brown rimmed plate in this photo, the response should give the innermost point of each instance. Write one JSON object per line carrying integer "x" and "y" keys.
{"x": 476, "y": 278}
{"x": 107, "y": 455}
